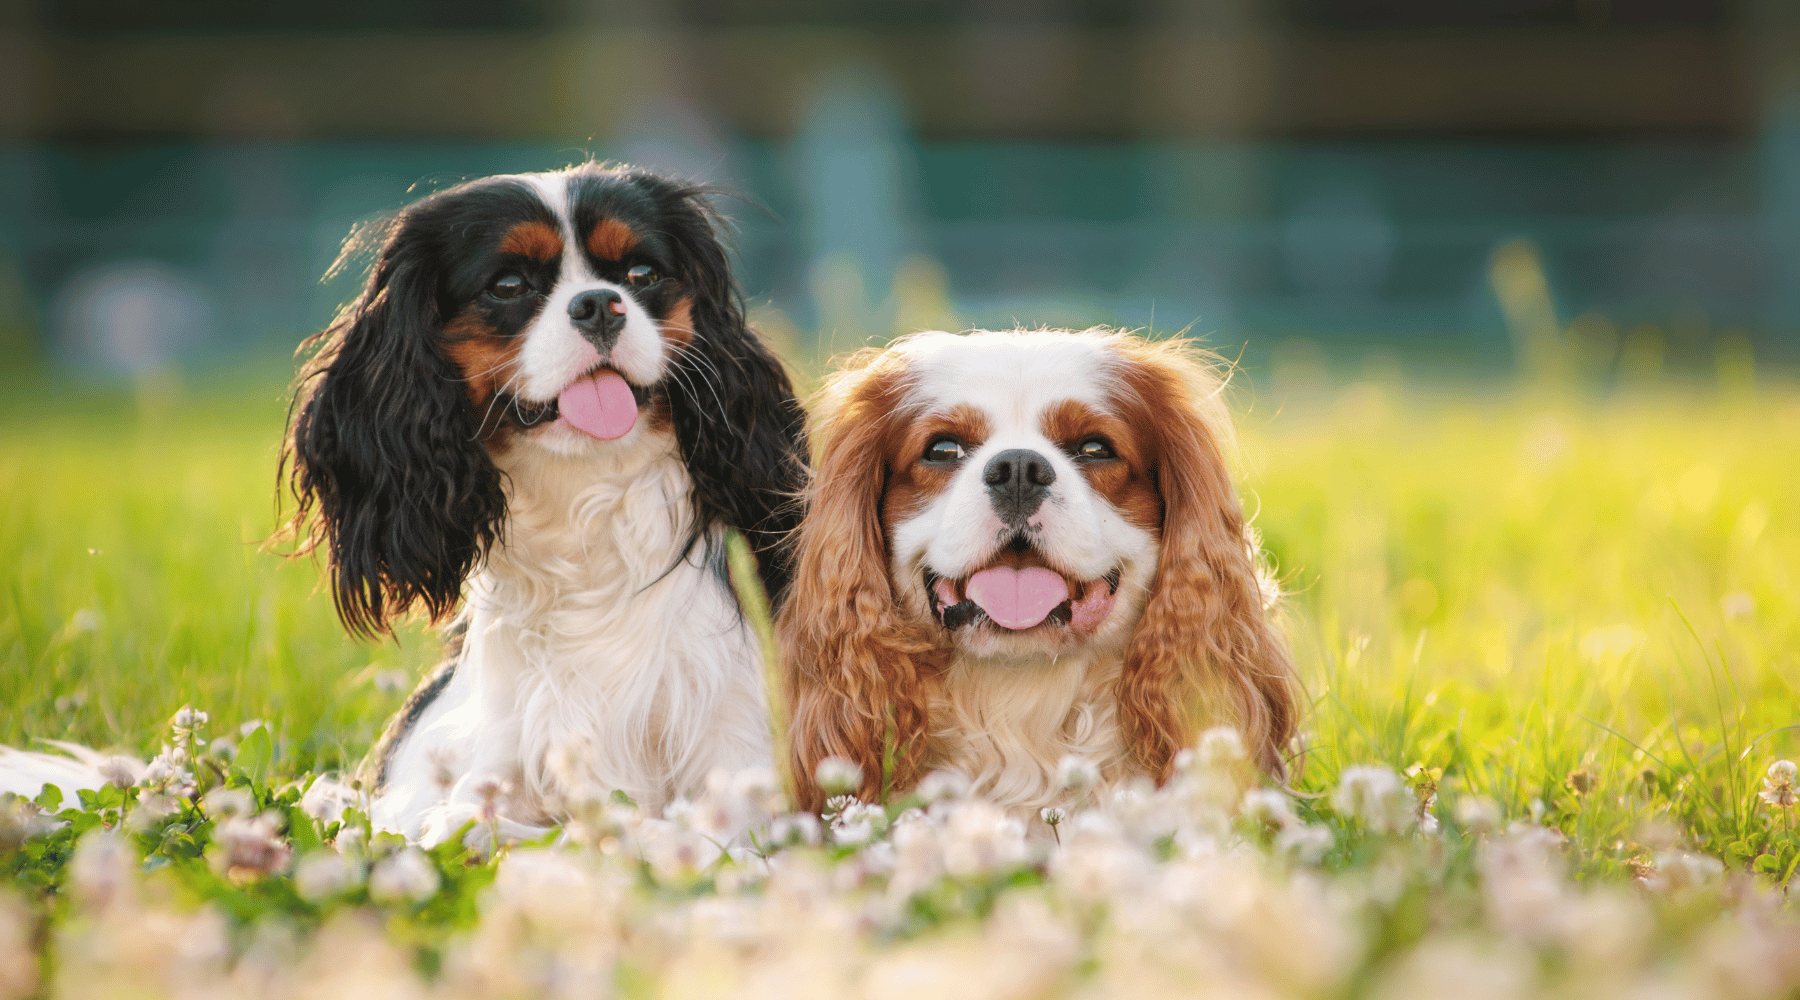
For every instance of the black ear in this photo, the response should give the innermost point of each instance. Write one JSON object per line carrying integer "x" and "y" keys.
{"x": 389, "y": 471}
{"x": 741, "y": 429}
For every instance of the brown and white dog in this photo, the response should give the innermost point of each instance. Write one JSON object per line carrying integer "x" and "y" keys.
{"x": 1020, "y": 546}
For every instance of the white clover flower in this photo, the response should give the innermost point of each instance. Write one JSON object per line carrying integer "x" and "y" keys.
{"x": 794, "y": 829}
{"x": 1376, "y": 797}
{"x": 1685, "y": 870}
{"x": 405, "y": 877}
{"x": 227, "y": 803}
{"x": 944, "y": 786}
{"x": 326, "y": 799}
{"x": 838, "y": 775}
{"x": 979, "y": 838}
{"x": 857, "y": 823}
{"x": 351, "y": 840}
{"x": 1268, "y": 807}
{"x": 1220, "y": 746}
{"x": 249, "y": 846}
{"x": 324, "y": 874}
{"x": 1075, "y": 773}
{"x": 1305, "y": 841}
{"x": 760, "y": 787}
{"x": 189, "y": 718}
{"x": 1478, "y": 813}
{"x": 102, "y": 869}
{"x": 1051, "y": 815}
{"x": 121, "y": 771}
{"x": 1778, "y": 787}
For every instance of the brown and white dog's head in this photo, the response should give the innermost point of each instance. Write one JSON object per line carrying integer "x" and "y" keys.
{"x": 1010, "y": 498}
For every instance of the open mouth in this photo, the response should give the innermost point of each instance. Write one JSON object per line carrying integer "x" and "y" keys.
{"x": 600, "y": 403}
{"x": 1020, "y": 592}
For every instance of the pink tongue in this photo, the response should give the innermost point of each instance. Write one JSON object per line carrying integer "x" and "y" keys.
{"x": 1016, "y": 598}
{"x": 601, "y": 406}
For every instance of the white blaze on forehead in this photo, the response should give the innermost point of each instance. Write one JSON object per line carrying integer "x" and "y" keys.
{"x": 1012, "y": 377}
{"x": 554, "y": 354}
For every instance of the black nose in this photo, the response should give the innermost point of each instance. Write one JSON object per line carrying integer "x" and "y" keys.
{"x": 1018, "y": 480}
{"x": 599, "y": 315}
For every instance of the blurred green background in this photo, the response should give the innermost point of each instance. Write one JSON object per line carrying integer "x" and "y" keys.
{"x": 1304, "y": 181}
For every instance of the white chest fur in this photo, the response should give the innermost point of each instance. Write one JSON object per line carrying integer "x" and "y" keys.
{"x": 1007, "y": 725}
{"x": 597, "y": 656}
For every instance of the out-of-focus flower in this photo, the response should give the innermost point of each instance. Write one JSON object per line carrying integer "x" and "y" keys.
{"x": 1778, "y": 787}
{"x": 102, "y": 869}
{"x": 1678, "y": 870}
{"x": 1267, "y": 807}
{"x": 168, "y": 772}
{"x": 1737, "y": 604}
{"x": 979, "y": 838}
{"x": 943, "y": 786}
{"x": 838, "y": 775}
{"x": 1075, "y": 773}
{"x": 121, "y": 771}
{"x": 20, "y": 820}
{"x": 248, "y": 847}
{"x": 1376, "y": 797}
{"x": 227, "y": 803}
{"x": 760, "y": 788}
{"x": 406, "y": 876}
{"x": 1304, "y": 841}
{"x": 18, "y": 957}
{"x": 794, "y": 829}
{"x": 1580, "y": 781}
{"x": 326, "y": 799}
{"x": 1220, "y": 746}
{"x": 324, "y": 874}
{"x": 1477, "y": 814}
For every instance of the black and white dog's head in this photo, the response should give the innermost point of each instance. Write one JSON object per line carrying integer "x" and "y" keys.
{"x": 564, "y": 313}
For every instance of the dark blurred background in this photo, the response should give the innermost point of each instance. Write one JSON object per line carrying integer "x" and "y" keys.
{"x": 1304, "y": 181}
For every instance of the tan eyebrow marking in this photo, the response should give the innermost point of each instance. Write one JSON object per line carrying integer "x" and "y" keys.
{"x": 537, "y": 240}
{"x": 611, "y": 239}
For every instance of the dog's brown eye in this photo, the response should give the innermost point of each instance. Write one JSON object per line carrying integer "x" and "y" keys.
{"x": 507, "y": 286}
{"x": 642, "y": 276}
{"x": 1094, "y": 448}
{"x": 944, "y": 450}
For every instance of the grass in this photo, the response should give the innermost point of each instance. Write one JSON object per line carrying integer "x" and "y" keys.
{"x": 1577, "y": 609}
{"x": 1588, "y": 603}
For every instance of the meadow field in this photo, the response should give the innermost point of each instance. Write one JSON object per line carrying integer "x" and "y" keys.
{"x": 1550, "y": 639}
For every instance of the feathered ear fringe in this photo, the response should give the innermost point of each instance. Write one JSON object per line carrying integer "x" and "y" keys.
{"x": 1205, "y": 649}
{"x": 854, "y": 668}
{"x": 741, "y": 429}
{"x": 388, "y": 471}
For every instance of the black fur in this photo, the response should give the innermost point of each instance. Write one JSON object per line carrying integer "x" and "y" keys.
{"x": 390, "y": 462}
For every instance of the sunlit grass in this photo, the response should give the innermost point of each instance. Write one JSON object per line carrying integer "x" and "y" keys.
{"x": 1589, "y": 604}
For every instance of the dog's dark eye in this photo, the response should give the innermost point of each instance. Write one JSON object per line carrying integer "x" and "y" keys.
{"x": 508, "y": 286}
{"x": 642, "y": 276}
{"x": 944, "y": 450}
{"x": 1094, "y": 448}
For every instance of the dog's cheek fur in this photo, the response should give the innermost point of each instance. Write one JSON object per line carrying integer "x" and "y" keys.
{"x": 854, "y": 668}
{"x": 388, "y": 469}
{"x": 1204, "y": 648}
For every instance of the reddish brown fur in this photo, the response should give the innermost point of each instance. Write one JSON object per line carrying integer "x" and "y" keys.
{"x": 1128, "y": 484}
{"x": 1204, "y": 633}
{"x": 537, "y": 240}
{"x": 611, "y": 239}
{"x": 911, "y": 483}
{"x": 678, "y": 326}
{"x": 855, "y": 667}
{"x": 484, "y": 357}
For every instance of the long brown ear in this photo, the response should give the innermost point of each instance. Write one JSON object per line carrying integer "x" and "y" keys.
{"x": 853, "y": 668}
{"x": 1205, "y": 649}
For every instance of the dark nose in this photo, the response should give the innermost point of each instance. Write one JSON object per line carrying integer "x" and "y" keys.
{"x": 599, "y": 315}
{"x": 1018, "y": 480}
